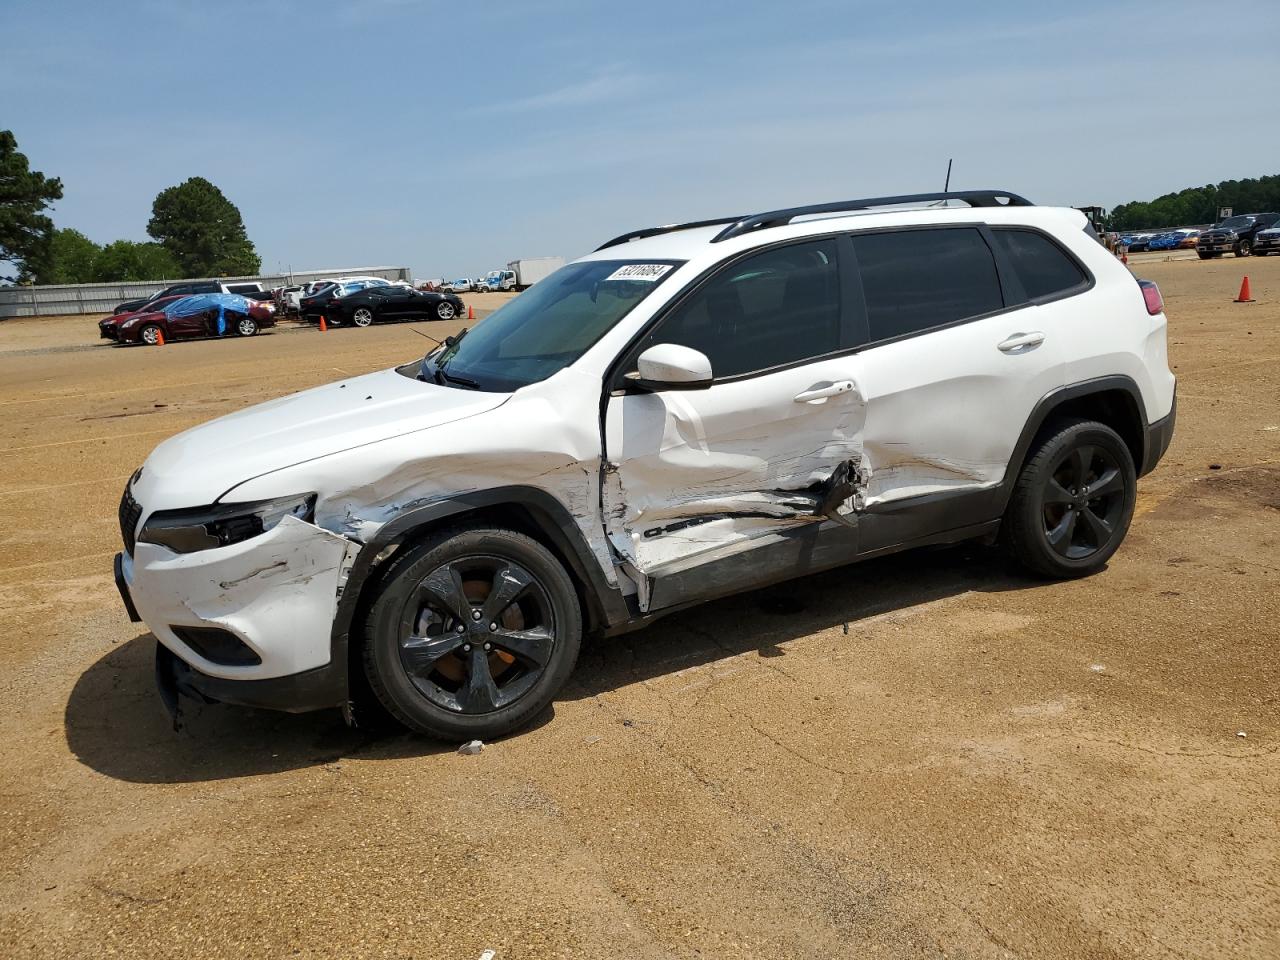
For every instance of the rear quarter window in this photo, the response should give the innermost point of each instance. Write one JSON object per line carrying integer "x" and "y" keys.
{"x": 1045, "y": 269}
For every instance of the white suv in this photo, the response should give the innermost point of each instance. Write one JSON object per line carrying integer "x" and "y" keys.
{"x": 687, "y": 412}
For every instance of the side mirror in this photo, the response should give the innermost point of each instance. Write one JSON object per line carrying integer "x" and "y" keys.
{"x": 669, "y": 366}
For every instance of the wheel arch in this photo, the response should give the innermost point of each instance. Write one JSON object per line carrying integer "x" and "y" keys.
{"x": 527, "y": 510}
{"x": 1114, "y": 400}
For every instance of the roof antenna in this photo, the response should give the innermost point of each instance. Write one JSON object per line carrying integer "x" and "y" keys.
{"x": 946, "y": 187}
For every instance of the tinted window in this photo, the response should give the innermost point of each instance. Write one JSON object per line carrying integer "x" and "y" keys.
{"x": 773, "y": 308}
{"x": 917, "y": 279}
{"x": 1042, "y": 266}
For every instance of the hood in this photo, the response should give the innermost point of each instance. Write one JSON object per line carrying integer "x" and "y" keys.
{"x": 200, "y": 465}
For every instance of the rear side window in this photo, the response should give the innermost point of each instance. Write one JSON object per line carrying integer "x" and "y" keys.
{"x": 767, "y": 310}
{"x": 915, "y": 280}
{"x": 1043, "y": 267}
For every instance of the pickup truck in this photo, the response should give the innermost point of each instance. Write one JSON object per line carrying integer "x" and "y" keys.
{"x": 252, "y": 290}
{"x": 1234, "y": 234}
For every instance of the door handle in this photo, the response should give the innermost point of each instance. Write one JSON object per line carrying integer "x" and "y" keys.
{"x": 1021, "y": 341}
{"x": 821, "y": 393}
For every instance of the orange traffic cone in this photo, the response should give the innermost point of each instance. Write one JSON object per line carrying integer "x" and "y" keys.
{"x": 471, "y": 313}
{"x": 1124, "y": 258}
{"x": 159, "y": 338}
{"x": 1246, "y": 295}
{"x": 323, "y": 326}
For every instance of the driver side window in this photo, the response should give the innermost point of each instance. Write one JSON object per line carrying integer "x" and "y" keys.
{"x": 764, "y": 311}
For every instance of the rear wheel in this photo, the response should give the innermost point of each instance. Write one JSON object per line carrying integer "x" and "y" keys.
{"x": 472, "y": 633}
{"x": 150, "y": 334}
{"x": 362, "y": 316}
{"x": 1073, "y": 500}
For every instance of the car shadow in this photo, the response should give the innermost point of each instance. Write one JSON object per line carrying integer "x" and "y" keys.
{"x": 116, "y": 725}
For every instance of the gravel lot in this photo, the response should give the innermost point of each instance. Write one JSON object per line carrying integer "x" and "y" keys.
{"x": 924, "y": 756}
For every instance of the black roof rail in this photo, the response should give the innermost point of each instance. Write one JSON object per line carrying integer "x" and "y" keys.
{"x": 669, "y": 228}
{"x": 777, "y": 218}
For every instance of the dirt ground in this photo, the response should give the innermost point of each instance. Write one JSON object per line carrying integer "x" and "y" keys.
{"x": 924, "y": 756}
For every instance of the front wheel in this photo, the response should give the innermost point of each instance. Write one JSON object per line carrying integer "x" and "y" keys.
{"x": 150, "y": 334}
{"x": 1073, "y": 500}
{"x": 1244, "y": 248}
{"x": 1203, "y": 254}
{"x": 445, "y": 310}
{"x": 362, "y": 317}
{"x": 246, "y": 327}
{"x": 472, "y": 633}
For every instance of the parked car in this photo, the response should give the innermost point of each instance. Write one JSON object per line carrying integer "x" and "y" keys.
{"x": 188, "y": 288}
{"x": 1266, "y": 241}
{"x": 1234, "y": 235}
{"x": 461, "y": 285}
{"x": 393, "y": 302}
{"x": 109, "y": 327}
{"x": 1189, "y": 239}
{"x": 1136, "y": 242}
{"x": 688, "y": 412}
{"x": 311, "y": 307}
{"x": 498, "y": 280}
{"x": 198, "y": 315}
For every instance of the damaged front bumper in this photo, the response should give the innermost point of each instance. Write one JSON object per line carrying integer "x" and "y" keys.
{"x": 268, "y": 602}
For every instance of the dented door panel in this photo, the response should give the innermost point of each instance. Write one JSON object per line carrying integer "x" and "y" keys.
{"x": 945, "y": 409}
{"x": 706, "y": 473}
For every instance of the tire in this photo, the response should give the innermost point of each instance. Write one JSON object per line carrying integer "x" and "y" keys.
{"x": 1244, "y": 248}
{"x": 1203, "y": 255}
{"x": 246, "y": 327}
{"x": 150, "y": 334}
{"x": 1048, "y": 507}
{"x": 362, "y": 316}
{"x": 446, "y": 310}
{"x": 425, "y": 643}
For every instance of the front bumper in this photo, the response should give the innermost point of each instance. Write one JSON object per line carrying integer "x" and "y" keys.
{"x": 1217, "y": 245}
{"x": 276, "y": 594}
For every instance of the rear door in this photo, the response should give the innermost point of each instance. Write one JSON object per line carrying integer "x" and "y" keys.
{"x": 696, "y": 477}
{"x": 954, "y": 359}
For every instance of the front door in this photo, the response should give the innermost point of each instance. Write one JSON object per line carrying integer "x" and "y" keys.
{"x": 694, "y": 477}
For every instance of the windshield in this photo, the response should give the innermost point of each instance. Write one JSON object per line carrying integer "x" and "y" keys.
{"x": 547, "y": 327}
{"x": 1233, "y": 222}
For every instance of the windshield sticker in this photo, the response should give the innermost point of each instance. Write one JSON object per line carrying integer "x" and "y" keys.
{"x": 648, "y": 272}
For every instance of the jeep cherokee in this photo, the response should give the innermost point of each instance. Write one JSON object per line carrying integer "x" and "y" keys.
{"x": 688, "y": 412}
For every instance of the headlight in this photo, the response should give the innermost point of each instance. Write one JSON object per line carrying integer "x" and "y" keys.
{"x": 202, "y": 528}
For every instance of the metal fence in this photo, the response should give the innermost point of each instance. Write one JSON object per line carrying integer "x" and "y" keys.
{"x": 79, "y": 298}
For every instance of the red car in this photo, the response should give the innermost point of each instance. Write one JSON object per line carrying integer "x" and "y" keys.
{"x": 145, "y": 326}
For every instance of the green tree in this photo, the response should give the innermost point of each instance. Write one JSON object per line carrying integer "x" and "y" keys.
{"x": 203, "y": 231}
{"x": 125, "y": 260}
{"x": 70, "y": 258}
{"x": 25, "y": 232}
{"x": 1199, "y": 204}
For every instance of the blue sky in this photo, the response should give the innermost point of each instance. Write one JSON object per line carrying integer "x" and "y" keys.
{"x": 453, "y": 137}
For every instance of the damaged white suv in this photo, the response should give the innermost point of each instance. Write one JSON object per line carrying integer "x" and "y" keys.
{"x": 687, "y": 412}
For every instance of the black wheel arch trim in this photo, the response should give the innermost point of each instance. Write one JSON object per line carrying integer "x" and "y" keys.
{"x": 606, "y": 607}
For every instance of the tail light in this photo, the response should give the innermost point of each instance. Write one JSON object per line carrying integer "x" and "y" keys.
{"x": 1151, "y": 294}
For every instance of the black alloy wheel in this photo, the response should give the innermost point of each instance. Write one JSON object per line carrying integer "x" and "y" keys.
{"x": 1083, "y": 501}
{"x": 1244, "y": 248}
{"x": 472, "y": 634}
{"x": 1073, "y": 500}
